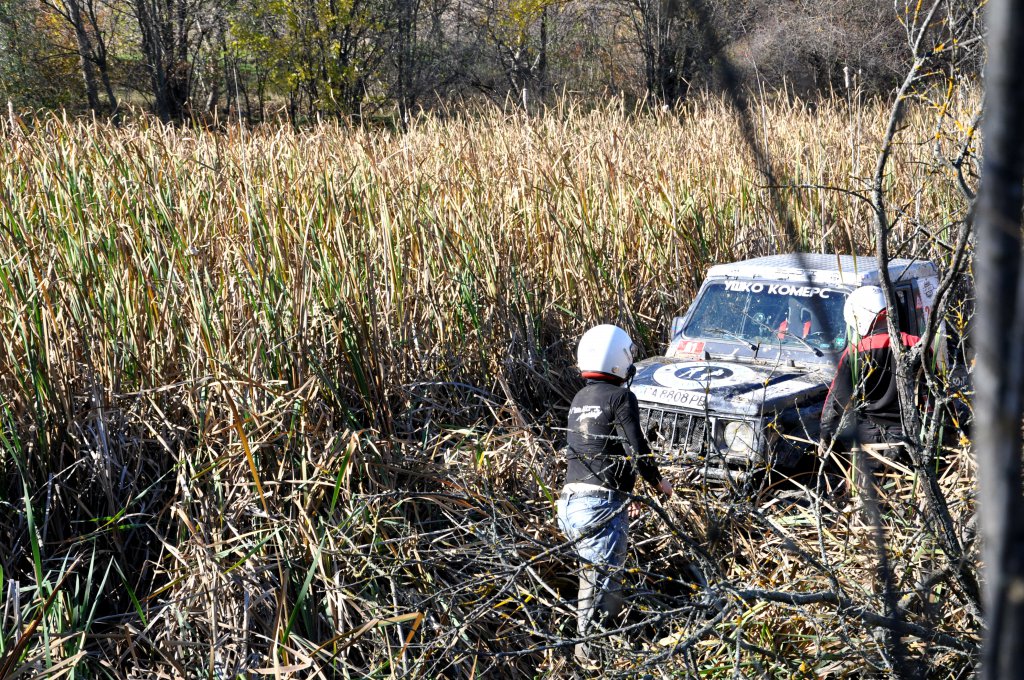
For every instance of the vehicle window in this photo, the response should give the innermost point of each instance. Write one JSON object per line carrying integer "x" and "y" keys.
{"x": 906, "y": 309}
{"x": 766, "y": 312}
{"x": 718, "y": 308}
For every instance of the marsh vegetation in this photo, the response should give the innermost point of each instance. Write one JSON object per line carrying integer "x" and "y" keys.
{"x": 281, "y": 400}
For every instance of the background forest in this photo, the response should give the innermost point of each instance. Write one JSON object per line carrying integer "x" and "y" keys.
{"x": 254, "y": 59}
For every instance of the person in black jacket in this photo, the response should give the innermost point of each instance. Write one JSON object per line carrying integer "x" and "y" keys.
{"x": 862, "y": 402}
{"x": 605, "y": 450}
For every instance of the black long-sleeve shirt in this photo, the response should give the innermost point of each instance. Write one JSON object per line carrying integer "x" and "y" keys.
{"x": 605, "y": 444}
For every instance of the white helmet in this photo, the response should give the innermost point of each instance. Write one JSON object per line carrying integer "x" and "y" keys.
{"x": 862, "y": 308}
{"x": 605, "y": 349}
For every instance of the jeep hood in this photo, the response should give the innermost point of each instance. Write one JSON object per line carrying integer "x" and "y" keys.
{"x": 725, "y": 387}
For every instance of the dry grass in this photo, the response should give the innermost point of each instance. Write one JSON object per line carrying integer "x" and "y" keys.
{"x": 291, "y": 399}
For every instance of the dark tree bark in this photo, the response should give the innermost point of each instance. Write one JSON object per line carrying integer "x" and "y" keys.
{"x": 100, "y": 53}
{"x": 75, "y": 14}
{"x": 542, "y": 57}
{"x": 999, "y": 332}
{"x": 405, "y": 55}
{"x": 660, "y": 30}
{"x": 84, "y": 53}
{"x": 167, "y": 35}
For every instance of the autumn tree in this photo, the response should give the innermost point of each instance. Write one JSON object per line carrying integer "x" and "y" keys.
{"x": 37, "y": 67}
{"x": 323, "y": 55}
{"x": 91, "y": 41}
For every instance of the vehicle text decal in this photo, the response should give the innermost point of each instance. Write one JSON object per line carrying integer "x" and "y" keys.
{"x": 665, "y": 395}
{"x": 777, "y": 289}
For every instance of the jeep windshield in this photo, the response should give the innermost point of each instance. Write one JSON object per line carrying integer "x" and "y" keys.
{"x": 759, "y": 313}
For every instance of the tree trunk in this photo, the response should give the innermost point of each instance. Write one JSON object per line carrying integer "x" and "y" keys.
{"x": 101, "y": 53}
{"x": 151, "y": 49}
{"x": 542, "y": 58}
{"x": 657, "y": 24}
{"x": 165, "y": 43}
{"x": 73, "y": 13}
{"x": 107, "y": 86}
{"x": 406, "y": 94}
{"x": 999, "y": 331}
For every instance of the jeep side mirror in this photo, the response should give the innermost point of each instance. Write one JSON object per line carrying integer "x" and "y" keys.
{"x": 677, "y": 329}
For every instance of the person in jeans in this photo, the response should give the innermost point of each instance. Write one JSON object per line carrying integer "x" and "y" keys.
{"x": 605, "y": 450}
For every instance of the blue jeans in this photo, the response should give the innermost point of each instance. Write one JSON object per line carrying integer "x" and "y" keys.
{"x": 600, "y": 529}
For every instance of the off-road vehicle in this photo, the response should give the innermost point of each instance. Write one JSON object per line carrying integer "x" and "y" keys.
{"x": 741, "y": 386}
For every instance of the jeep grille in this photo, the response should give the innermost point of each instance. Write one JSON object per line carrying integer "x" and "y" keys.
{"x": 674, "y": 431}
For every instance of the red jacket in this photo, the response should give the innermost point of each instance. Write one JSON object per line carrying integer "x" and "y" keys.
{"x": 866, "y": 381}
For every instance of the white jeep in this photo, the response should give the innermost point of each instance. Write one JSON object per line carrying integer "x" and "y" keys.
{"x": 742, "y": 383}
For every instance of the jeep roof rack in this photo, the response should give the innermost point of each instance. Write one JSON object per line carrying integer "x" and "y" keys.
{"x": 837, "y": 270}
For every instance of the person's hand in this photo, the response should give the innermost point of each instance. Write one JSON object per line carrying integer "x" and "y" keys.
{"x": 636, "y": 508}
{"x": 665, "y": 488}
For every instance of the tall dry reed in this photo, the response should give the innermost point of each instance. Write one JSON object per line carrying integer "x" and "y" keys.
{"x": 291, "y": 398}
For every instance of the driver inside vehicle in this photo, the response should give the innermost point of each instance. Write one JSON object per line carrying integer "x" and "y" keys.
{"x": 766, "y": 316}
{"x": 798, "y": 322}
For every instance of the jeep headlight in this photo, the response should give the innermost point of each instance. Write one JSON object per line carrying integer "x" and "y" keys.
{"x": 739, "y": 437}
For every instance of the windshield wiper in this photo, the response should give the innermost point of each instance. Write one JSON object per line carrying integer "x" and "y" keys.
{"x": 732, "y": 336}
{"x": 787, "y": 333}
{"x": 791, "y": 334}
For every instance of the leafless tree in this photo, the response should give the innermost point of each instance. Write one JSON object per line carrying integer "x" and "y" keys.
{"x": 809, "y": 46}
{"x": 83, "y": 16}
{"x": 921, "y": 427}
{"x": 665, "y": 39}
{"x": 170, "y": 33}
